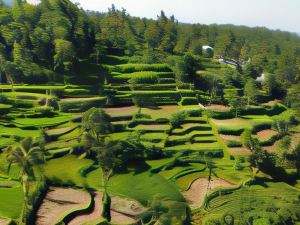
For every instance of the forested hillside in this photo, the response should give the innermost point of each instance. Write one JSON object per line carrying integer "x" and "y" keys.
{"x": 54, "y": 36}
{"x": 106, "y": 118}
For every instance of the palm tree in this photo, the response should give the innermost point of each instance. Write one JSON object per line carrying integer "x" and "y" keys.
{"x": 26, "y": 156}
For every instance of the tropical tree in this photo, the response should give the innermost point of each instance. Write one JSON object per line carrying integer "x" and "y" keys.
{"x": 282, "y": 150}
{"x": 250, "y": 91}
{"x": 97, "y": 126}
{"x": 237, "y": 104}
{"x": 26, "y": 156}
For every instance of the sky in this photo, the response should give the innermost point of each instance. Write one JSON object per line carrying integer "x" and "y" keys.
{"x": 274, "y": 14}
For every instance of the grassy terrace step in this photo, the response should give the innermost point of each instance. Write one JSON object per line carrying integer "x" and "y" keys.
{"x": 210, "y": 148}
{"x": 183, "y": 131}
{"x": 81, "y": 104}
{"x": 16, "y": 131}
{"x": 154, "y": 137}
{"x": 130, "y": 68}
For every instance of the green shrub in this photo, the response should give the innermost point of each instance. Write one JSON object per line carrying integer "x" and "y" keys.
{"x": 177, "y": 119}
{"x": 3, "y": 99}
{"x": 44, "y": 111}
{"x": 130, "y": 68}
{"x": 233, "y": 143}
{"x": 189, "y": 101}
{"x": 143, "y": 78}
{"x": 76, "y": 92}
{"x": 82, "y": 104}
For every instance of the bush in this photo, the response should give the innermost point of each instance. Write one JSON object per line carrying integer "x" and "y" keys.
{"x": 177, "y": 119}
{"x": 44, "y": 111}
{"x": 3, "y": 99}
{"x": 143, "y": 78}
{"x": 189, "y": 101}
{"x": 130, "y": 68}
{"x": 81, "y": 105}
{"x": 233, "y": 144}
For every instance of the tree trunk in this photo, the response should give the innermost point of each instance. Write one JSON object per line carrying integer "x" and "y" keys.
{"x": 106, "y": 201}
{"x": 25, "y": 184}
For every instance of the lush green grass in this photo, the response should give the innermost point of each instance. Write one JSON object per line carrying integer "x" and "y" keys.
{"x": 42, "y": 122}
{"x": 5, "y": 106}
{"x": 67, "y": 170}
{"x": 178, "y": 170}
{"x": 224, "y": 168}
{"x": 154, "y": 136}
{"x": 144, "y": 187}
{"x": 237, "y": 125}
{"x": 195, "y": 147}
{"x": 15, "y": 131}
{"x": 256, "y": 201}
{"x": 184, "y": 182}
{"x": 130, "y": 68}
{"x": 11, "y": 202}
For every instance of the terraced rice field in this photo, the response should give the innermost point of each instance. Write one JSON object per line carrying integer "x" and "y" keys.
{"x": 60, "y": 202}
{"x": 256, "y": 199}
{"x": 93, "y": 215}
{"x": 200, "y": 187}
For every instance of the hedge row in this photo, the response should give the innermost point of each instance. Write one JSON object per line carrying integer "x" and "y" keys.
{"x": 188, "y": 101}
{"x": 135, "y": 123}
{"x": 155, "y": 87}
{"x": 227, "y": 130}
{"x": 130, "y": 68}
{"x": 82, "y": 104}
{"x": 190, "y": 129}
{"x": 86, "y": 80}
{"x": 264, "y": 110}
{"x": 167, "y": 80}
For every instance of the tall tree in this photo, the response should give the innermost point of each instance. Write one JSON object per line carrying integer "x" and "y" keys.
{"x": 251, "y": 91}
{"x": 26, "y": 156}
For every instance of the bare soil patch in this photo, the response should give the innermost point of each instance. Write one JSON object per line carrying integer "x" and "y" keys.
{"x": 121, "y": 111}
{"x": 91, "y": 216}
{"x": 266, "y": 134}
{"x": 126, "y": 206}
{"x": 59, "y": 131}
{"x": 272, "y": 148}
{"x": 152, "y": 127}
{"x": 120, "y": 218}
{"x": 198, "y": 189}
{"x": 4, "y": 221}
{"x": 230, "y": 137}
{"x": 58, "y": 202}
{"x": 123, "y": 122}
{"x": 295, "y": 139}
{"x": 218, "y": 107}
{"x": 239, "y": 151}
{"x": 124, "y": 211}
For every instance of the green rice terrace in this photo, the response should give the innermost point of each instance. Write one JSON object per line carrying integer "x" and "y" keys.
{"x": 102, "y": 123}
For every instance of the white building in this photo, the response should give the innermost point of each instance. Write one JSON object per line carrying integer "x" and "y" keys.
{"x": 206, "y": 47}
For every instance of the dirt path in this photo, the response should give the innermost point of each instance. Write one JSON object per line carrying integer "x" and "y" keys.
{"x": 4, "y": 221}
{"x": 58, "y": 202}
{"x": 92, "y": 216}
{"x": 198, "y": 189}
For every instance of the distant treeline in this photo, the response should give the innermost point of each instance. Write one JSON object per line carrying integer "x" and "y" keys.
{"x": 42, "y": 43}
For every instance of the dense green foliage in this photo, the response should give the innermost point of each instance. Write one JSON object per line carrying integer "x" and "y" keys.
{"x": 136, "y": 108}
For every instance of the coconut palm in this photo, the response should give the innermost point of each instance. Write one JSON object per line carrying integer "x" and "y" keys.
{"x": 26, "y": 156}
